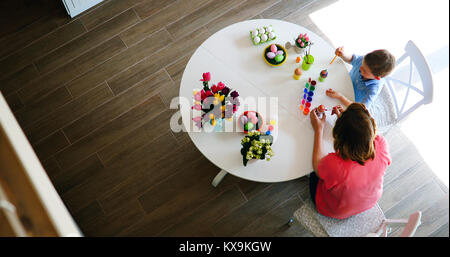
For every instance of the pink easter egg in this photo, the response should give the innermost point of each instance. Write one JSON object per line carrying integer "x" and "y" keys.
{"x": 270, "y": 128}
{"x": 273, "y": 48}
{"x": 251, "y": 114}
{"x": 254, "y": 120}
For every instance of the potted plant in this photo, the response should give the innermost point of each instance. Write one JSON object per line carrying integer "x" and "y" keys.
{"x": 301, "y": 42}
{"x": 215, "y": 103}
{"x": 256, "y": 146}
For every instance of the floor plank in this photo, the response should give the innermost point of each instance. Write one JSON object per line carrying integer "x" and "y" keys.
{"x": 45, "y": 84}
{"x": 110, "y": 132}
{"x": 117, "y": 105}
{"x": 160, "y": 19}
{"x": 41, "y": 47}
{"x": 67, "y": 113}
{"x": 118, "y": 63}
{"x": 86, "y": 41}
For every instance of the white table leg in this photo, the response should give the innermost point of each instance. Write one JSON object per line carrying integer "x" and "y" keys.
{"x": 219, "y": 178}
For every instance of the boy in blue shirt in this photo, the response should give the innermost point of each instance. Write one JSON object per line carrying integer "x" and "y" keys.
{"x": 367, "y": 75}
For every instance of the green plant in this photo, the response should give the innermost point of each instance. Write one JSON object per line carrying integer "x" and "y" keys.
{"x": 256, "y": 146}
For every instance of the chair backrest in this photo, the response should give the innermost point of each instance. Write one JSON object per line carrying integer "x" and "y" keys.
{"x": 417, "y": 60}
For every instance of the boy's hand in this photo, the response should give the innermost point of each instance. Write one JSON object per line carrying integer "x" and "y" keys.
{"x": 317, "y": 124}
{"x": 339, "y": 51}
{"x": 333, "y": 94}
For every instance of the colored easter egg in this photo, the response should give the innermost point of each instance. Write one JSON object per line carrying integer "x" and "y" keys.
{"x": 244, "y": 119}
{"x": 270, "y": 55}
{"x": 280, "y": 52}
{"x": 254, "y": 120}
{"x": 279, "y": 58}
{"x": 264, "y": 38}
{"x": 268, "y": 132}
{"x": 273, "y": 122}
{"x": 270, "y": 128}
{"x": 321, "y": 108}
{"x": 273, "y": 48}
{"x": 262, "y": 30}
{"x": 248, "y": 126}
{"x": 271, "y": 35}
{"x": 256, "y": 40}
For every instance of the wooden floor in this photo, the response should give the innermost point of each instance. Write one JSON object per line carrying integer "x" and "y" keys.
{"x": 92, "y": 96}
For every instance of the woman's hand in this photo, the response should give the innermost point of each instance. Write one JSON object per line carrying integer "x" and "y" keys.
{"x": 317, "y": 123}
{"x": 338, "y": 110}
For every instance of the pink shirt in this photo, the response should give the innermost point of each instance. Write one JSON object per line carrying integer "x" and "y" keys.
{"x": 347, "y": 188}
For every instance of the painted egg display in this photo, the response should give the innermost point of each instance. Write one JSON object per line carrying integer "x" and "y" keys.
{"x": 270, "y": 55}
{"x": 264, "y": 38}
{"x": 273, "y": 48}
{"x": 279, "y": 52}
{"x": 256, "y": 40}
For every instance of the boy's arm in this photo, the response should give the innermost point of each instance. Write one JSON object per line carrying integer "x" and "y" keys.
{"x": 344, "y": 101}
{"x": 334, "y": 94}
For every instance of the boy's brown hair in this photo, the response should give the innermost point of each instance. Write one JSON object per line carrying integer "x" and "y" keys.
{"x": 380, "y": 62}
{"x": 354, "y": 134}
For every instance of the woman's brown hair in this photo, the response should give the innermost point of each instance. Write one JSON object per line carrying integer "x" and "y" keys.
{"x": 354, "y": 134}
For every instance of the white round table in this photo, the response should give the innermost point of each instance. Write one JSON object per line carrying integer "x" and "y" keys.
{"x": 230, "y": 56}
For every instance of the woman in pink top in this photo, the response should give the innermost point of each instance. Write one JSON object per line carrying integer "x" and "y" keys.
{"x": 350, "y": 180}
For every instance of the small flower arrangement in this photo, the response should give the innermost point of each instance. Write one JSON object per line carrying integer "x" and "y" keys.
{"x": 302, "y": 41}
{"x": 216, "y": 103}
{"x": 256, "y": 146}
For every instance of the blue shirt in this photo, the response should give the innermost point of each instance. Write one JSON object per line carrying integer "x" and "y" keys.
{"x": 366, "y": 90}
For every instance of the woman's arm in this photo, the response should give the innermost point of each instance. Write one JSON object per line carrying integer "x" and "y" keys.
{"x": 318, "y": 125}
{"x": 318, "y": 153}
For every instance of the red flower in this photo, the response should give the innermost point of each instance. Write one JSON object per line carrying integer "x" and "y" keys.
{"x": 214, "y": 89}
{"x": 203, "y": 94}
{"x": 206, "y": 77}
{"x": 209, "y": 93}
{"x": 220, "y": 86}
